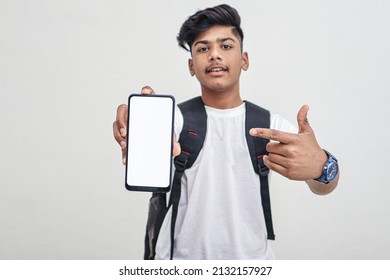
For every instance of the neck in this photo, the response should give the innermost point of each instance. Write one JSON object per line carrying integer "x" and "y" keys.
{"x": 222, "y": 99}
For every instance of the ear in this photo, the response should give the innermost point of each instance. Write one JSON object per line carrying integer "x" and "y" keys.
{"x": 245, "y": 61}
{"x": 191, "y": 67}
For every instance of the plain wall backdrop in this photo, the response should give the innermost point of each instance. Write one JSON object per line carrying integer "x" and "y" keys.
{"x": 65, "y": 66}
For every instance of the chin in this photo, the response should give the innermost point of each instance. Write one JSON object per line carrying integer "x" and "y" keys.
{"x": 216, "y": 89}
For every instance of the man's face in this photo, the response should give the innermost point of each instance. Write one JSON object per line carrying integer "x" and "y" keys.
{"x": 217, "y": 59}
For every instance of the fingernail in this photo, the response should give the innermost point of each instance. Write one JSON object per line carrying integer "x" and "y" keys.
{"x": 253, "y": 132}
{"x": 123, "y": 132}
{"x": 124, "y": 161}
{"x": 123, "y": 145}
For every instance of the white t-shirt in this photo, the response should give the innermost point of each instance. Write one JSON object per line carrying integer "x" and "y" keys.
{"x": 220, "y": 215}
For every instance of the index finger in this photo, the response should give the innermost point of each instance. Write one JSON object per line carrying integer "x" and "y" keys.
{"x": 273, "y": 134}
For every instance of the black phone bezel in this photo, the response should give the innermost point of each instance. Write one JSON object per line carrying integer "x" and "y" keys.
{"x": 156, "y": 189}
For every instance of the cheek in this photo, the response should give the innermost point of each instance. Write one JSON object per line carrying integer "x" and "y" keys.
{"x": 196, "y": 65}
{"x": 199, "y": 62}
{"x": 198, "y": 69}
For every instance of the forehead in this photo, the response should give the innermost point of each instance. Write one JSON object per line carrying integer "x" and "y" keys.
{"x": 216, "y": 33}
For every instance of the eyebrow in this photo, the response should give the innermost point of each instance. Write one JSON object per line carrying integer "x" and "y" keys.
{"x": 219, "y": 40}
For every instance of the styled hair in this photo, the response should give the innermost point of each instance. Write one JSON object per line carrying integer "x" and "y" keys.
{"x": 204, "y": 19}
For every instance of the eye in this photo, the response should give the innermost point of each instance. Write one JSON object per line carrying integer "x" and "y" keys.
{"x": 226, "y": 47}
{"x": 203, "y": 49}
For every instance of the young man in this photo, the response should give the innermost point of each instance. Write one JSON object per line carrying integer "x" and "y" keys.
{"x": 220, "y": 212}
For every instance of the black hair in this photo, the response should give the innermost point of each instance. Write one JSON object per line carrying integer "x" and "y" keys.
{"x": 204, "y": 19}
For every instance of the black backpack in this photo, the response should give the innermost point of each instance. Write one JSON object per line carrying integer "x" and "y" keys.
{"x": 191, "y": 142}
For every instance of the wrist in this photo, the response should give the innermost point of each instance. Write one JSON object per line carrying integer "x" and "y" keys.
{"x": 323, "y": 160}
{"x": 330, "y": 169}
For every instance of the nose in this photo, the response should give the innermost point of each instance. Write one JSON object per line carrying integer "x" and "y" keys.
{"x": 214, "y": 54}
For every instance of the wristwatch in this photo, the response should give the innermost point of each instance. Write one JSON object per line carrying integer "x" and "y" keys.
{"x": 330, "y": 170}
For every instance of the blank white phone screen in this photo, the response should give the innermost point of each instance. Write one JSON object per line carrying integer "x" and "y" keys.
{"x": 149, "y": 147}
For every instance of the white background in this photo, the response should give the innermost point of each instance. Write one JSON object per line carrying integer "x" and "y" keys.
{"x": 65, "y": 66}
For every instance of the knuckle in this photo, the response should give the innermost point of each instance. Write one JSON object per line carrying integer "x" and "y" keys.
{"x": 288, "y": 163}
{"x": 273, "y": 133}
{"x": 290, "y": 174}
{"x": 115, "y": 128}
{"x": 147, "y": 90}
{"x": 290, "y": 152}
{"x": 121, "y": 108}
{"x": 118, "y": 138}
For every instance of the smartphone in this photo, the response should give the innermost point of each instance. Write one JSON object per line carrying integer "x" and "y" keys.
{"x": 150, "y": 129}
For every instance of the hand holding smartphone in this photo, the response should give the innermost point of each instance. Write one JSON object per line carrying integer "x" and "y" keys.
{"x": 150, "y": 130}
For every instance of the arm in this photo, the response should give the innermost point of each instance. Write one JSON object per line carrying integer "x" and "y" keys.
{"x": 297, "y": 156}
{"x": 323, "y": 189}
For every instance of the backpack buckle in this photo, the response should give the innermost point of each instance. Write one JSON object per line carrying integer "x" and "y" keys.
{"x": 181, "y": 161}
{"x": 263, "y": 169}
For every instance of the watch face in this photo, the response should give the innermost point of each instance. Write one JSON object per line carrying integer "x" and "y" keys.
{"x": 332, "y": 171}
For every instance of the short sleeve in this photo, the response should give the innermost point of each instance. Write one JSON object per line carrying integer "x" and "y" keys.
{"x": 281, "y": 124}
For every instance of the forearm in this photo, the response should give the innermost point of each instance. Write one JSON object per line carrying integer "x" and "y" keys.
{"x": 323, "y": 189}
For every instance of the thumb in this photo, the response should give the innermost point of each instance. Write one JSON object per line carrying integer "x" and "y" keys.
{"x": 303, "y": 122}
{"x": 176, "y": 147}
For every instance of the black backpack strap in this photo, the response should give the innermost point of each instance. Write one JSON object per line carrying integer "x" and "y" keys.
{"x": 156, "y": 215}
{"x": 191, "y": 142}
{"x": 259, "y": 117}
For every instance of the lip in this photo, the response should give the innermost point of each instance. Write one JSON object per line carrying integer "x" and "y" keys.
{"x": 216, "y": 70}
